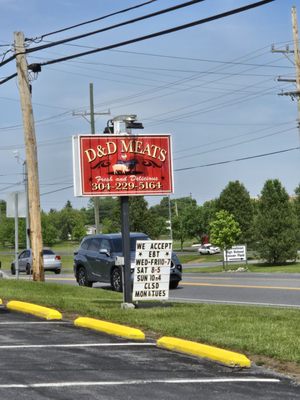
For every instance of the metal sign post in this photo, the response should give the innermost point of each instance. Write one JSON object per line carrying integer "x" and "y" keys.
{"x": 126, "y": 250}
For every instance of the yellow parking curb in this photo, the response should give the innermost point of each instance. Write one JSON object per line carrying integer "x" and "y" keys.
{"x": 226, "y": 357}
{"x": 110, "y": 328}
{"x": 39, "y": 311}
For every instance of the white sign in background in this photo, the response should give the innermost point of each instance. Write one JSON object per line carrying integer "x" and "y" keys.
{"x": 236, "y": 253}
{"x": 10, "y": 205}
{"x": 152, "y": 270}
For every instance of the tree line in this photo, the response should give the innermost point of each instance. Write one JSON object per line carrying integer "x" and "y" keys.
{"x": 269, "y": 224}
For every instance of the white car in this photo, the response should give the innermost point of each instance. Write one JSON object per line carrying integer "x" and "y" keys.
{"x": 52, "y": 262}
{"x": 208, "y": 249}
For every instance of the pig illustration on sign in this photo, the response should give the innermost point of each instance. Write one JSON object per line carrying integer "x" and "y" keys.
{"x": 120, "y": 168}
{"x": 123, "y": 167}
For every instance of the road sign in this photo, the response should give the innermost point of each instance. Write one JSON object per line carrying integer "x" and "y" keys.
{"x": 152, "y": 270}
{"x": 11, "y": 204}
{"x": 122, "y": 165}
{"x": 236, "y": 253}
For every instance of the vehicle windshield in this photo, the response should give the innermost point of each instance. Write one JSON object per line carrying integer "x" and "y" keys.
{"x": 117, "y": 243}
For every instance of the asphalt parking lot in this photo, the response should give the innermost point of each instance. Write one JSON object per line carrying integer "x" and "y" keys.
{"x": 54, "y": 360}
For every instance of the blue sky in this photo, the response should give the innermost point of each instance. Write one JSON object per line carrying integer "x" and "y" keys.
{"x": 213, "y": 87}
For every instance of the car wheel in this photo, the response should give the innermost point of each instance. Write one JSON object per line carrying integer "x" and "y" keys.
{"x": 116, "y": 280}
{"x": 174, "y": 284}
{"x": 57, "y": 271}
{"x": 82, "y": 278}
{"x": 13, "y": 270}
{"x": 28, "y": 269}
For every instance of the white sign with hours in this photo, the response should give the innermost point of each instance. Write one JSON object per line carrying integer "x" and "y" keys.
{"x": 152, "y": 270}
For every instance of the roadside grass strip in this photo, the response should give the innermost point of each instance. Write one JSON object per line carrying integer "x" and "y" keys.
{"x": 226, "y": 357}
{"x": 110, "y": 328}
{"x": 38, "y": 311}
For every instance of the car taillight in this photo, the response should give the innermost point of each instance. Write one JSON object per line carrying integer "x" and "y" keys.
{"x": 57, "y": 257}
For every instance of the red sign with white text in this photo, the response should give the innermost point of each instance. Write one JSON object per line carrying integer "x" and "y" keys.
{"x": 125, "y": 165}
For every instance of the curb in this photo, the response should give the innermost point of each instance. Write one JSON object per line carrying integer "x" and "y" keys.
{"x": 39, "y": 311}
{"x": 110, "y": 328}
{"x": 226, "y": 357}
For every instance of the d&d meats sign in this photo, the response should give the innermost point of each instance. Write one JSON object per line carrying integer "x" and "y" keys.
{"x": 122, "y": 165}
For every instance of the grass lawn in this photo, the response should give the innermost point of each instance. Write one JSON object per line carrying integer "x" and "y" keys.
{"x": 260, "y": 267}
{"x": 271, "y": 332}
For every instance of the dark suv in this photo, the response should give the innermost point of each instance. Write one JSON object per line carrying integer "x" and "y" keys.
{"x": 95, "y": 260}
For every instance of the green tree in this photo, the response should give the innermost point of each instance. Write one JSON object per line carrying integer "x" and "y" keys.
{"x": 224, "y": 231}
{"x": 162, "y": 209}
{"x": 179, "y": 229}
{"x": 236, "y": 200}
{"x": 208, "y": 212}
{"x": 276, "y": 225}
{"x": 185, "y": 213}
{"x": 49, "y": 232}
{"x": 65, "y": 221}
{"x": 106, "y": 205}
{"x": 78, "y": 231}
{"x": 296, "y": 205}
{"x": 156, "y": 226}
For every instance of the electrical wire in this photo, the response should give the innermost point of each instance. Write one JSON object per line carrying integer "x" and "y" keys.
{"x": 199, "y": 59}
{"x": 2, "y": 190}
{"x": 57, "y": 190}
{"x": 131, "y": 21}
{"x": 180, "y": 57}
{"x": 235, "y": 144}
{"x": 160, "y": 33}
{"x": 8, "y": 78}
{"x": 74, "y": 26}
{"x": 94, "y": 20}
{"x": 237, "y": 159}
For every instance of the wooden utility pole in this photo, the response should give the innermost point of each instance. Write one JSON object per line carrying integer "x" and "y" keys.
{"x": 31, "y": 159}
{"x": 297, "y": 60}
{"x": 92, "y": 114}
{"x": 93, "y": 131}
{"x": 295, "y": 94}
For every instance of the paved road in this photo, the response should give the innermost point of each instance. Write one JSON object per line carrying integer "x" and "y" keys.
{"x": 54, "y": 360}
{"x": 241, "y": 288}
{"x": 230, "y": 288}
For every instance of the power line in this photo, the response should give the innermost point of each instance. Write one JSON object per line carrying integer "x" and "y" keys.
{"x": 234, "y": 137}
{"x": 215, "y": 107}
{"x": 182, "y": 58}
{"x": 131, "y": 21}
{"x": 57, "y": 190}
{"x": 8, "y": 78}
{"x": 238, "y": 159}
{"x": 74, "y": 26}
{"x": 95, "y": 19}
{"x": 198, "y": 59}
{"x": 160, "y": 33}
{"x": 234, "y": 144}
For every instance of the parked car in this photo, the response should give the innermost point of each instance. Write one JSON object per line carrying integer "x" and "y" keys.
{"x": 95, "y": 260}
{"x": 52, "y": 262}
{"x": 208, "y": 249}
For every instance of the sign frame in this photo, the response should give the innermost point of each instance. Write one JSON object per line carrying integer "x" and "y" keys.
{"x": 122, "y": 165}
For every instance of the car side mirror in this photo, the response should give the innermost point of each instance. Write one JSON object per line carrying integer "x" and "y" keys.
{"x": 104, "y": 251}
